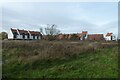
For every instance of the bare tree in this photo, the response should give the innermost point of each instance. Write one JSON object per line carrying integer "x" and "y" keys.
{"x": 52, "y": 30}
{"x": 41, "y": 31}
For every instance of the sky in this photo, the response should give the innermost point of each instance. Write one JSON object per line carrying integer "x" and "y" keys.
{"x": 70, "y": 17}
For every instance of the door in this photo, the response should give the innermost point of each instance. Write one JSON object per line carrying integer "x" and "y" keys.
{"x": 23, "y": 36}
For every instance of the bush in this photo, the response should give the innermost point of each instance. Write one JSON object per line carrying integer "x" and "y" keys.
{"x": 3, "y": 35}
{"x": 74, "y": 37}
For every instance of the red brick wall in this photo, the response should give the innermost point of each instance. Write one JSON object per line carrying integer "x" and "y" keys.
{"x": 96, "y": 37}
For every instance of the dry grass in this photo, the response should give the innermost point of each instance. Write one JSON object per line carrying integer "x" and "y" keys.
{"x": 34, "y": 50}
{"x": 34, "y": 59}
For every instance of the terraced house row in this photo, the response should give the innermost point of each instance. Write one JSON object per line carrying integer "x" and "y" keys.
{"x": 24, "y": 34}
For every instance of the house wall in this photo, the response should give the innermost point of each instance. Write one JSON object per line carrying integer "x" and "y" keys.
{"x": 108, "y": 38}
{"x": 96, "y": 37}
{"x": 18, "y": 36}
{"x": 83, "y": 37}
{"x": 91, "y": 37}
{"x": 26, "y": 37}
{"x": 60, "y": 37}
{"x": 113, "y": 37}
{"x": 39, "y": 37}
{"x": 10, "y": 34}
{"x": 86, "y": 36}
{"x": 31, "y": 37}
{"x": 21, "y": 36}
{"x": 35, "y": 37}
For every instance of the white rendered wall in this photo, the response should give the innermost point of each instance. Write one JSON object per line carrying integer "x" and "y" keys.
{"x": 10, "y": 34}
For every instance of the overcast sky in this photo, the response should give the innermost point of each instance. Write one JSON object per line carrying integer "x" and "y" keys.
{"x": 74, "y": 17}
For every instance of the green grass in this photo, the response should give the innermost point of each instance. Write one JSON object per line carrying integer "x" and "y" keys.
{"x": 101, "y": 63}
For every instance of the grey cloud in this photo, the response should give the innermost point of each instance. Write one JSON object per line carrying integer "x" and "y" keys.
{"x": 32, "y": 18}
{"x": 65, "y": 23}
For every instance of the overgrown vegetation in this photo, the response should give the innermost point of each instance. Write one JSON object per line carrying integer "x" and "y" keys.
{"x": 74, "y": 37}
{"x": 59, "y": 59}
{"x": 3, "y": 35}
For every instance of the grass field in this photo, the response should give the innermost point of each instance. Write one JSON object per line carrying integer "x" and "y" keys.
{"x": 59, "y": 59}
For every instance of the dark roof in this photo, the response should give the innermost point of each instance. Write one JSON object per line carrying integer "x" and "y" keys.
{"x": 23, "y": 31}
{"x": 35, "y": 33}
{"x": 109, "y": 34}
{"x": 14, "y": 31}
{"x": 84, "y": 32}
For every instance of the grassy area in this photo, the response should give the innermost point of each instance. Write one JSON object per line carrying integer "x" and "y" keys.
{"x": 60, "y": 60}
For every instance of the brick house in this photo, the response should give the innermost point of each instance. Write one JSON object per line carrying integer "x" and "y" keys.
{"x": 60, "y": 36}
{"x": 68, "y": 36}
{"x": 65, "y": 36}
{"x": 97, "y": 37}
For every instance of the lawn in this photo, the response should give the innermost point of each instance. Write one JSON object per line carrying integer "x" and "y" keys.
{"x": 65, "y": 60}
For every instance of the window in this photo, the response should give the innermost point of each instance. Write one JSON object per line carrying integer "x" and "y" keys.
{"x": 23, "y": 36}
{"x": 15, "y": 36}
{"x": 111, "y": 37}
{"x": 37, "y": 37}
{"x": 28, "y": 36}
{"x": 33, "y": 36}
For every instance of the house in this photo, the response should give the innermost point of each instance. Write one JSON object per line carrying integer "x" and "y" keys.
{"x": 68, "y": 36}
{"x": 83, "y": 35}
{"x": 64, "y": 36}
{"x": 78, "y": 36}
{"x": 13, "y": 34}
{"x": 60, "y": 36}
{"x": 35, "y": 35}
{"x": 24, "y": 34}
{"x": 110, "y": 37}
{"x": 97, "y": 37}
